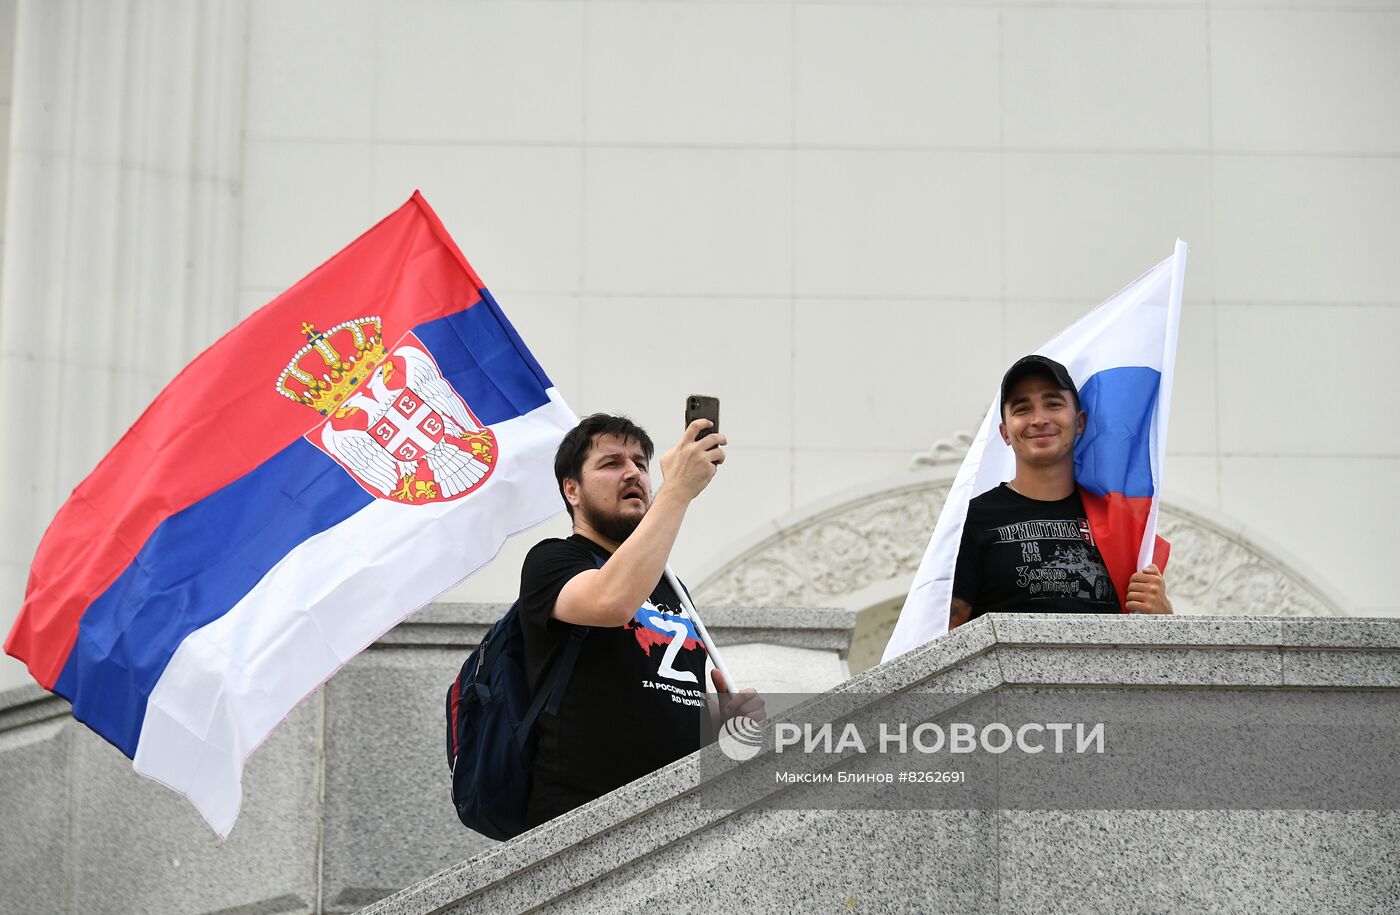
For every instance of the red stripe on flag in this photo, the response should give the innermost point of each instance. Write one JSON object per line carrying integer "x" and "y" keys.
{"x": 222, "y": 416}
{"x": 456, "y": 695}
{"x": 1117, "y": 523}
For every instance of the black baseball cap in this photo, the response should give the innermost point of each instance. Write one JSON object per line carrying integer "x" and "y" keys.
{"x": 1037, "y": 365}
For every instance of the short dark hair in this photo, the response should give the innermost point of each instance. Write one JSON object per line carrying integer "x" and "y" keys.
{"x": 573, "y": 450}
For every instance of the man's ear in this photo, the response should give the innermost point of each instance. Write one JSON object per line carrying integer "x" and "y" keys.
{"x": 1001, "y": 427}
{"x": 1082, "y": 424}
{"x": 571, "y": 491}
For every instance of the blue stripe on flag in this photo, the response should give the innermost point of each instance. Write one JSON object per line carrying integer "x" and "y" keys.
{"x": 481, "y": 355}
{"x": 202, "y": 561}
{"x": 1114, "y": 453}
{"x": 194, "y": 568}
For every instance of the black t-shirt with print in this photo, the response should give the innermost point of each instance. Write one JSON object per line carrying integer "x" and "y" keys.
{"x": 636, "y": 700}
{"x": 1021, "y": 554}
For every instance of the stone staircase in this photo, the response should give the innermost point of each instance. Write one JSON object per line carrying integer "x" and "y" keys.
{"x": 662, "y": 845}
{"x": 347, "y": 801}
{"x": 346, "y": 805}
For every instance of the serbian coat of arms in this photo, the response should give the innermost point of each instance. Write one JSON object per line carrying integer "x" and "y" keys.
{"x": 391, "y": 419}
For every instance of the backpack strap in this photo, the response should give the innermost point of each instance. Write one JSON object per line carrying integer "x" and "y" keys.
{"x": 553, "y": 694}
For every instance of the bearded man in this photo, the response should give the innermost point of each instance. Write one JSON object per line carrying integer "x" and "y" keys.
{"x": 636, "y": 699}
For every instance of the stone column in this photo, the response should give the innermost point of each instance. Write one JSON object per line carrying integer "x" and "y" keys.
{"x": 121, "y": 236}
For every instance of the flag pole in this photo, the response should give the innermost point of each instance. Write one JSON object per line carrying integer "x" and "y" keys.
{"x": 1164, "y": 398}
{"x": 701, "y": 630}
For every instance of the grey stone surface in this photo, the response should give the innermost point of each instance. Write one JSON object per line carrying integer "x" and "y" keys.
{"x": 389, "y": 820}
{"x": 140, "y": 847}
{"x": 811, "y": 861}
{"x": 1341, "y": 633}
{"x": 928, "y": 660}
{"x": 656, "y": 810}
{"x": 661, "y": 844}
{"x": 29, "y": 704}
{"x": 946, "y": 690}
{"x": 355, "y": 781}
{"x": 463, "y": 625}
{"x": 795, "y": 627}
{"x": 592, "y": 858}
{"x": 1321, "y": 667}
{"x": 772, "y": 669}
{"x": 453, "y": 613}
{"x": 462, "y": 637}
{"x": 1125, "y": 861}
{"x": 455, "y": 625}
{"x": 35, "y": 857}
{"x": 1134, "y": 629}
{"x": 1141, "y": 665}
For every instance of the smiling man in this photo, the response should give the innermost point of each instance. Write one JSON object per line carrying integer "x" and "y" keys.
{"x": 1027, "y": 545}
{"x": 636, "y": 699}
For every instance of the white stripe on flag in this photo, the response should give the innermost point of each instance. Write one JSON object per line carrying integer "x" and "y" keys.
{"x": 231, "y": 682}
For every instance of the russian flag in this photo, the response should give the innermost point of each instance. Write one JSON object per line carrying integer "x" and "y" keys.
{"x": 1122, "y": 355}
{"x": 354, "y": 448}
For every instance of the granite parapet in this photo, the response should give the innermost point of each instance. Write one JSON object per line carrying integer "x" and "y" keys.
{"x": 348, "y": 800}
{"x": 611, "y": 855}
{"x": 463, "y": 625}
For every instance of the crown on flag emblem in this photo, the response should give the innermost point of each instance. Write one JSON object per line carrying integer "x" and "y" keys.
{"x": 332, "y": 364}
{"x": 392, "y": 421}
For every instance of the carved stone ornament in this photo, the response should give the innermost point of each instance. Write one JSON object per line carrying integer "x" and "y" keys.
{"x": 948, "y": 451}
{"x": 821, "y": 558}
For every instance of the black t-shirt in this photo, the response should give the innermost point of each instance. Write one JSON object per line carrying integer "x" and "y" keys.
{"x": 636, "y": 700}
{"x": 1029, "y": 555}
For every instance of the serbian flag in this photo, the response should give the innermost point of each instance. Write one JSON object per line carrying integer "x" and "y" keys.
{"x": 351, "y": 450}
{"x": 1122, "y": 355}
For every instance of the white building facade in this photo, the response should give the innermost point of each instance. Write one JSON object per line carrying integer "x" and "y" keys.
{"x": 845, "y": 219}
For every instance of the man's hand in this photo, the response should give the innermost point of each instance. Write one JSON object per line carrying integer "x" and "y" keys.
{"x": 691, "y": 464}
{"x": 611, "y": 595}
{"x": 746, "y": 703}
{"x": 959, "y": 612}
{"x": 1147, "y": 592}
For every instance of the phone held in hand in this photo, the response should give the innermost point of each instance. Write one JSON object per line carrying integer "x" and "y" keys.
{"x": 701, "y": 406}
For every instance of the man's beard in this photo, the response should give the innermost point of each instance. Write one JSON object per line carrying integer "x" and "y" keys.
{"x": 615, "y": 527}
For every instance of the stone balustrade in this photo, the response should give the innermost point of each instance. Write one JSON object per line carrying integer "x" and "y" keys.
{"x": 346, "y": 805}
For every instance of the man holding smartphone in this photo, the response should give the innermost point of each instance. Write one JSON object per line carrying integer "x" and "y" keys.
{"x": 636, "y": 699}
{"x": 1027, "y": 544}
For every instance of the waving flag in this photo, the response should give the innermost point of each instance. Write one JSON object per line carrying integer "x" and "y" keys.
{"x": 351, "y": 450}
{"x": 1123, "y": 356}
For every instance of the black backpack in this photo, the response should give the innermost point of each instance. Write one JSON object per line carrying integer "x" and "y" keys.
{"x": 490, "y": 726}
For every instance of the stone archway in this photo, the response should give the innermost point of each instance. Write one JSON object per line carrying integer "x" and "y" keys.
{"x": 860, "y": 552}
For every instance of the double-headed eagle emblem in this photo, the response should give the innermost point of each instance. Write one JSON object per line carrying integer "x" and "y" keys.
{"x": 392, "y": 420}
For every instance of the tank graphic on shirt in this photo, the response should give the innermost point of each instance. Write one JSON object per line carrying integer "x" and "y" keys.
{"x": 1070, "y": 571}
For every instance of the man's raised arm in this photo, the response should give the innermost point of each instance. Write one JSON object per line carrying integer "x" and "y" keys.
{"x": 611, "y": 595}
